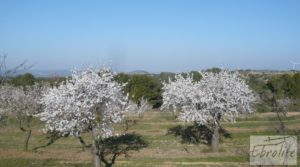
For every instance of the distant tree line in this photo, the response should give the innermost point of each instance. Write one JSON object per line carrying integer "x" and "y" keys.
{"x": 268, "y": 87}
{"x": 28, "y": 79}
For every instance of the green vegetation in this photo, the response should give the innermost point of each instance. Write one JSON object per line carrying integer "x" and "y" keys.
{"x": 273, "y": 87}
{"x": 142, "y": 86}
{"x": 195, "y": 75}
{"x": 214, "y": 70}
{"x": 23, "y": 80}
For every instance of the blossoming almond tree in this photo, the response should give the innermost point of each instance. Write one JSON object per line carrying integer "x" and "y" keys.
{"x": 90, "y": 101}
{"x": 216, "y": 96}
{"x": 22, "y": 103}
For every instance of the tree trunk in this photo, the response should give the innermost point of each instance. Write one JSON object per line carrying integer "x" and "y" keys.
{"x": 96, "y": 154}
{"x": 107, "y": 163}
{"x": 27, "y": 138}
{"x": 97, "y": 160}
{"x": 215, "y": 138}
{"x": 281, "y": 129}
{"x": 82, "y": 143}
{"x": 95, "y": 150}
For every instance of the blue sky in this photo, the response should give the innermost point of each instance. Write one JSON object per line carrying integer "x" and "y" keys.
{"x": 152, "y": 35}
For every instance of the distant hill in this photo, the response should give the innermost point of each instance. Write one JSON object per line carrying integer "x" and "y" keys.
{"x": 64, "y": 73}
{"x": 47, "y": 73}
{"x": 141, "y": 72}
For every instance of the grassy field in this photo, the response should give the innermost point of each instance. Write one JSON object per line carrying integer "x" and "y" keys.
{"x": 164, "y": 150}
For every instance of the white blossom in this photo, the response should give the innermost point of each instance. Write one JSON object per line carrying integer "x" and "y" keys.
{"x": 21, "y": 101}
{"x": 140, "y": 108}
{"x": 222, "y": 94}
{"x": 89, "y": 100}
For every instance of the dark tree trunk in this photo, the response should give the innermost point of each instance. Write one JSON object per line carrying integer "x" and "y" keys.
{"x": 82, "y": 142}
{"x": 53, "y": 137}
{"x": 27, "y": 138}
{"x": 107, "y": 163}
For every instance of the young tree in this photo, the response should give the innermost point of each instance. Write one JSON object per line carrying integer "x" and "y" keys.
{"x": 22, "y": 103}
{"x": 216, "y": 96}
{"x": 4, "y": 94}
{"x": 89, "y": 101}
{"x": 140, "y": 108}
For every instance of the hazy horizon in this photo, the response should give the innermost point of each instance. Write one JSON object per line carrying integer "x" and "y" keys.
{"x": 154, "y": 36}
{"x": 67, "y": 72}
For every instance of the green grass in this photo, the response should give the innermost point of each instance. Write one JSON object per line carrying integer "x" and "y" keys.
{"x": 164, "y": 150}
{"x": 40, "y": 163}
